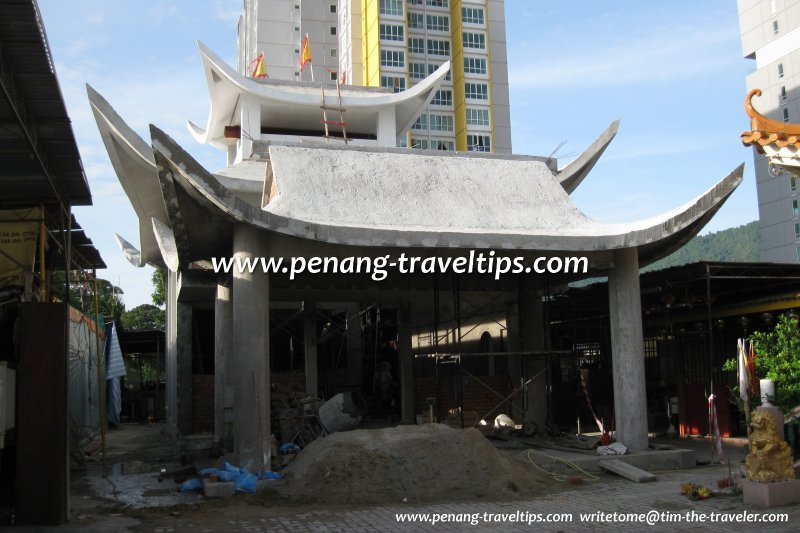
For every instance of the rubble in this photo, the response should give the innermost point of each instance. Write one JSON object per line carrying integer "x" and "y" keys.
{"x": 406, "y": 463}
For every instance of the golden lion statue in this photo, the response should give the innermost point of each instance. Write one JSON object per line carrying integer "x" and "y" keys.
{"x": 770, "y": 458}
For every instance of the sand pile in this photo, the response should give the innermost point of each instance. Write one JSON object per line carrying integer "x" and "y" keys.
{"x": 420, "y": 463}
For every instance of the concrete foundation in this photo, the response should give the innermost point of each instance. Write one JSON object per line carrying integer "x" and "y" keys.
{"x": 770, "y": 494}
{"x": 250, "y": 369}
{"x": 627, "y": 348}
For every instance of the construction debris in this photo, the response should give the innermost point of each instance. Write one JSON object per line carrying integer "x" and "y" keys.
{"x": 407, "y": 463}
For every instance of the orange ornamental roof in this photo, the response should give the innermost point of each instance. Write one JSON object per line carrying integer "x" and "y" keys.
{"x": 766, "y": 130}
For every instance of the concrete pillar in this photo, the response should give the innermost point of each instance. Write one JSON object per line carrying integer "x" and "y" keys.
{"x": 171, "y": 353}
{"x": 514, "y": 344}
{"x": 250, "y": 369}
{"x": 183, "y": 343}
{"x": 310, "y": 346}
{"x": 223, "y": 354}
{"x": 387, "y": 130}
{"x": 355, "y": 346}
{"x": 533, "y": 340}
{"x": 627, "y": 349}
{"x": 405, "y": 363}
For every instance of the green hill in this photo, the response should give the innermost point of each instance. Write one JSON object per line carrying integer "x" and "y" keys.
{"x": 732, "y": 244}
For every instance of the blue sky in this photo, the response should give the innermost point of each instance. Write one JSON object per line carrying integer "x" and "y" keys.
{"x": 672, "y": 72}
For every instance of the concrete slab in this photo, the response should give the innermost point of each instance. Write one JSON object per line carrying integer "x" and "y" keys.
{"x": 770, "y": 494}
{"x": 650, "y": 460}
{"x": 218, "y": 489}
{"x": 627, "y": 471}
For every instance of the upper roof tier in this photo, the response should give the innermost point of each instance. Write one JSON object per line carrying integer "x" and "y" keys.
{"x": 295, "y": 106}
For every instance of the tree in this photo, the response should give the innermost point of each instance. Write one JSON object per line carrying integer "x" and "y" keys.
{"x": 143, "y": 317}
{"x": 778, "y": 359}
{"x": 159, "y": 280}
{"x": 81, "y": 294}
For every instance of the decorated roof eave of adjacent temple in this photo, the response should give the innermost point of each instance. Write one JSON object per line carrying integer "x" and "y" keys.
{"x": 765, "y": 131}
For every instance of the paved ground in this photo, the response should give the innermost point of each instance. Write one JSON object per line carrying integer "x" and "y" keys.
{"x": 661, "y": 499}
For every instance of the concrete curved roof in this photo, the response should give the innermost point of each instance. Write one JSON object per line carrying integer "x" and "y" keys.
{"x": 133, "y": 162}
{"x": 403, "y": 199}
{"x": 297, "y": 105}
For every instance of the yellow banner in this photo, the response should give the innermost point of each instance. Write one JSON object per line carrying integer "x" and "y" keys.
{"x": 19, "y": 232}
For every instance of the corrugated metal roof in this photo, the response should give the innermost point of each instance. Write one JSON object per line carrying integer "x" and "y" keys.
{"x": 35, "y": 130}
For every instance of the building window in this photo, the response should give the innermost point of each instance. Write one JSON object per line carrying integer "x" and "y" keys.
{"x": 432, "y": 68}
{"x": 474, "y": 40}
{"x": 333, "y": 75}
{"x": 443, "y": 97}
{"x": 474, "y": 65}
{"x": 472, "y": 15}
{"x": 333, "y": 30}
{"x": 477, "y": 117}
{"x": 441, "y": 122}
{"x": 479, "y": 143}
{"x": 796, "y": 230}
{"x": 438, "y": 47}
{"x": 476, "y": 91}
{"x": 297, "y": 6}
{"x": 393, "y": 58}
{"x": 437, "y": 3}
{"x": 793, "y": 183}
{"x": 416, "y": 21}
{"x": 785, "y": 115}
{"x": 394, "y": 82}
{"x": 438, "y": 23}
{"x": 416, "y": 45}
{"x": 391, "y": 7}
{"x": 439, "y": 144}
{"x": 774, "y": 26}
{"x": 795, "y": 208}
{"x": 420, "y": 144}
{"x": 333, "y": 8}
{"x": 297, "y": 28}
{"x": 421, "y": 123}
{"x": 391, "y": 32}
{"x": 333, "y": 52}
{"x": 402, "y": 142}
{"x": 783, "y": 92}
{"x": 780, "y": 70}
{"x": 417, "y": 71}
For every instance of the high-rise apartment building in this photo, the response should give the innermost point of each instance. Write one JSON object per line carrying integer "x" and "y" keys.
{"x": 278, "y": 27}
{"x": 770, "y": 32}
{"x": 395, "y": 44}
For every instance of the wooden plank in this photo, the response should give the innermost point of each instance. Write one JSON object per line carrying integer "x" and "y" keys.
{"x": 627, "y": 471}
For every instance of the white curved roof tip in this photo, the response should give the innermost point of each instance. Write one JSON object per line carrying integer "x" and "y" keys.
{"x": 576, "y": 170}
{"x": 134, "y": 164}
{"x": 575, "y": 233}
{"x": 226, "y": 86}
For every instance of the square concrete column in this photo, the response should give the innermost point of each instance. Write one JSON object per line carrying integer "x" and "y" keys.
{"x": 514, "y": 344}
{"x": 405, "y": 363}
{"x": 250, "y": 368}
{"x": 310, "y": 347}
{"x": 184, "y": 367}
{"x": 627, "y": 350}
{"x": 223, "y": 355}
{"x": 533, "y": 340}
{"x": 171, "y": 353}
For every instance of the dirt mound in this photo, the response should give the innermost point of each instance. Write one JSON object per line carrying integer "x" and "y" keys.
{"x": 417, "y": 463}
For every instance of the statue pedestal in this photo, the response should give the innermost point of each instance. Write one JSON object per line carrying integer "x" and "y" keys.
{"x": 770, "y": 494}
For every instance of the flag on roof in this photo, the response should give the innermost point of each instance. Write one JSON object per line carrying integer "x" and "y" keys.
{"x": 305, "y": 56}
{"x": 260, "y": 71}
